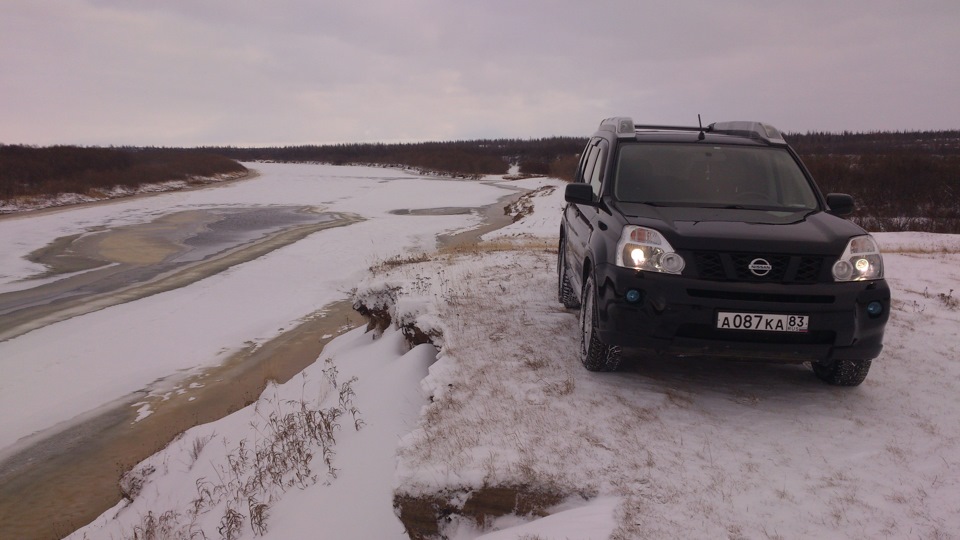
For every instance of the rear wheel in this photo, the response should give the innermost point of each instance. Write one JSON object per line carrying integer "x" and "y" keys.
{"x": 565, "y": 293}
{"x": 594, "y": 353}
{"x": 843, "y": 372}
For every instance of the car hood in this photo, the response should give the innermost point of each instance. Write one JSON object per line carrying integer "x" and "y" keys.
{"x": 713, "y": 229}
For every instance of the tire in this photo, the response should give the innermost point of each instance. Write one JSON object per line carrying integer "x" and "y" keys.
{"x": 842, "y": 372}
{"x": 594, "y": 353}
{"x": 565, "y": 294}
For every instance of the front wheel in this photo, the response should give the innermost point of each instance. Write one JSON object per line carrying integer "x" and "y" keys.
{"x": 594, "y": 353}
{"x": 842, "y": 372}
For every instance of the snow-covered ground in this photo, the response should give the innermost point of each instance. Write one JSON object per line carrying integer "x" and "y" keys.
{"x": 663, "y": 449}
{"x": 22, "y": 204}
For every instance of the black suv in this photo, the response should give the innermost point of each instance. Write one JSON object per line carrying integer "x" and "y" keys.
{"x": 716, "y": 241}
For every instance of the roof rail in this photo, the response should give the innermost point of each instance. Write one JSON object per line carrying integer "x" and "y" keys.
{"x": 624, "y": 127}
{"x": 621, "y": 125}
{"x": 669, "y": 128}
{"x": 753, "y": 130}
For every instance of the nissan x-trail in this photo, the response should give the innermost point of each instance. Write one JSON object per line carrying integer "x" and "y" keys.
{"x": 716, "y": 241}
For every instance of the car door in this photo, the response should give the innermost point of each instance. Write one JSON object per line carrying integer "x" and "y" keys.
{"x": 581, "y": 219}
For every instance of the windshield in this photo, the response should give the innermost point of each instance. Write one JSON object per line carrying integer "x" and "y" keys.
{"x": 678, "y": 174}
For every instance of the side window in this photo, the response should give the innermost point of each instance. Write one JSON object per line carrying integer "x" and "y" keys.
{"x": 581, "y": 165}
{"x": 586, "y": 172}
{"x": 596, "y": 176}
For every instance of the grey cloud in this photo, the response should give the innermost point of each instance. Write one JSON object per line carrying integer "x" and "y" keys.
{"x": 182, "y": 72}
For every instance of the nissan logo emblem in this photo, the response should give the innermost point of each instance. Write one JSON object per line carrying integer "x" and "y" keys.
{"x": 759, "y": 267}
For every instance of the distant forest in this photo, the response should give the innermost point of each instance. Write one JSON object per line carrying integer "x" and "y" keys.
{"x": 900, "y": 180}
{"x": 554, "y": 156}
{"x": 27, "y": 171}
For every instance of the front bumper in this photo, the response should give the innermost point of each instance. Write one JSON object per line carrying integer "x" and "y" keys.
{"x": 677, "y": 315}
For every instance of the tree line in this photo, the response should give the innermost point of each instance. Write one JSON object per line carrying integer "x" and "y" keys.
{"x": 901, "y": 180}
{"x": 27, "y": 171}
{"x": 469, "y": 159}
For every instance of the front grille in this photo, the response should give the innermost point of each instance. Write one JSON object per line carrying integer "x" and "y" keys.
{"x": 720, "y": 266}
{"x": 709, "y": 265}
{"x": 809, "y": 269}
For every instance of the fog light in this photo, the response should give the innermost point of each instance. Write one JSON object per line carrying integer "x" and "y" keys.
{"x": 874, "y": 309}
{"x": 633, "y": 296}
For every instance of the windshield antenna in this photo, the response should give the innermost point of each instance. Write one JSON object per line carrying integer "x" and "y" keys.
{"x": 701, "y": 136}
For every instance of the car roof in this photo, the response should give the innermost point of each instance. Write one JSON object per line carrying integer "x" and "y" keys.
{"x": 623, "y": 129}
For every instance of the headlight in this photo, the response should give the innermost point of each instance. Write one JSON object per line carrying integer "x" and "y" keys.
{"x": 860, "y": 261}
{"x": 645, "y": 249}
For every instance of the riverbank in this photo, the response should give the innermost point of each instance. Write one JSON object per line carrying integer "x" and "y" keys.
{"x": 31, "y": 205}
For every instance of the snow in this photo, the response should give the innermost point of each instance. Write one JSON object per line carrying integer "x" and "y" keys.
{"x": 663, "y": 449}
{"x": 591, "y": 521}
{"x": 26, "y": 204}
{"x": 88, "y": 361}
{"x": 388, "y": 379}
{"x": 386, "y": 373}
{"x": 693, "y": 448}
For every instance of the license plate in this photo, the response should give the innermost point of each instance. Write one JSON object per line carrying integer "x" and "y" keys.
{"x": 763, "y": 322}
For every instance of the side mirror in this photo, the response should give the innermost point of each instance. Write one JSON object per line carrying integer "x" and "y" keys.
{"x": 579, "y": 193}
{"x": 840, "y": 204}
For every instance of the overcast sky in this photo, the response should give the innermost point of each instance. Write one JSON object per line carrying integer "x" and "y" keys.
{"x": 281, "y": 72}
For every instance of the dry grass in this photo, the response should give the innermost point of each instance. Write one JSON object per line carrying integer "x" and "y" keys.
{"x": 197, "y": 447}
{"x": 294, "y": 437}
{"x": 499, "y": 245}
{"x": 163, "y": 527}
{"x": 920, "y": 250}
{"x": 381, "y": 266}
{"x": 948, "y": 300}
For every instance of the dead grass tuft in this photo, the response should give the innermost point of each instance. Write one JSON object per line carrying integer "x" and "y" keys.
{"x": 949, "y": 301}
{"x": 919, "y": 250}
{"x": 295, "y": 437}
{"x": 380, "y": 267}
{"x": 162, "y": 527}
{"x": 196, "y": 448}
{"x": 132, "y": 482}
{"x": 500, "y": 245}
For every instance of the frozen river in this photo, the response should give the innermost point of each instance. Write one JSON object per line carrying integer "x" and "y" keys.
{"x": 91, "y": 271}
